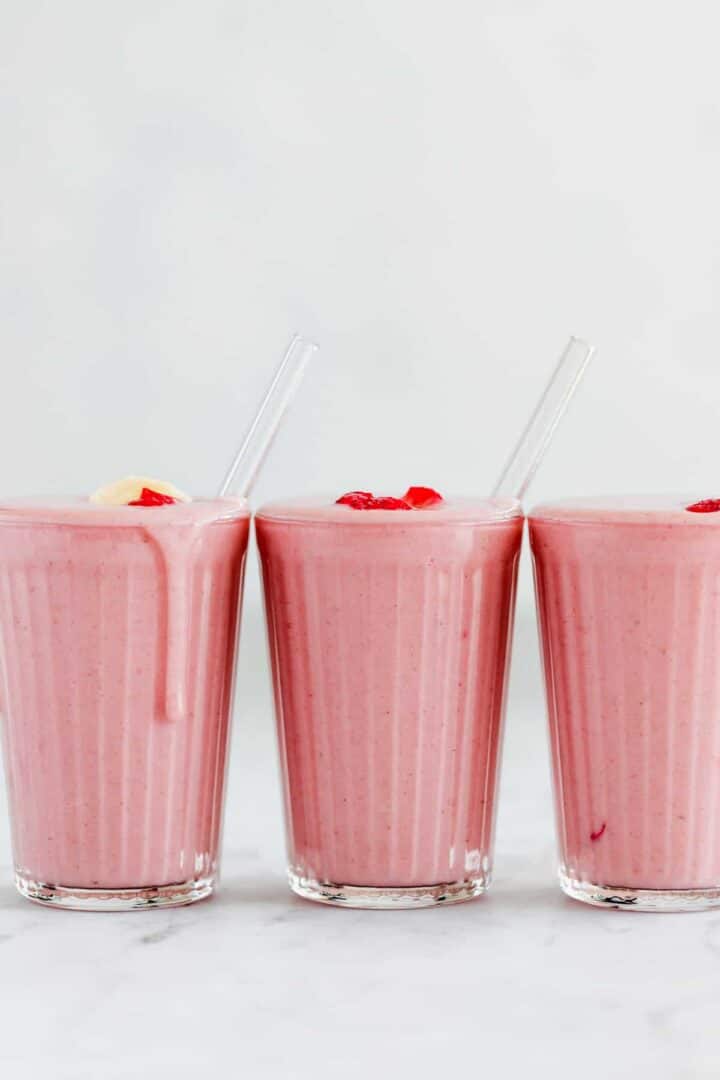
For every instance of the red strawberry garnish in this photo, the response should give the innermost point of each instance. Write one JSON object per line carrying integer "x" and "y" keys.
{"x": 415, "y": 498}
{"x": 148, "y": 497}
{"x": 365, "y": 500}
{"x": 705, "y": 506}
{"x": 357, "y": 499}
{"x": 421, "y": 497}
{"x": 388, "y": 502}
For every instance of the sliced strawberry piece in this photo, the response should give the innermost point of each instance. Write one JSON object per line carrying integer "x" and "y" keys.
{"x": 388, "y": 502}
{"x": 148, "y": 497}
{"x": 358, "y": 500}
{"x": 421, "y": 497}
{"x": 705, "y": 506}
{"x": 365, "y": 500}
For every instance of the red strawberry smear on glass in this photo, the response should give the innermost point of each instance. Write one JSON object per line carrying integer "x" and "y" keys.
{"x": 148, "y": 497}
{"x": 421, "y": 497}
{"x": 705, "y": 506}
{"x": 598, "y": 833}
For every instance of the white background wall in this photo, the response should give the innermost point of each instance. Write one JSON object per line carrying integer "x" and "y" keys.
{"x": 439, "y": 194}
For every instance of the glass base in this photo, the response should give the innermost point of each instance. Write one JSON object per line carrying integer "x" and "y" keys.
{"x": 367, "y": 896}
{"x": 640, "y": 899}
{"x": 76, "y": 899}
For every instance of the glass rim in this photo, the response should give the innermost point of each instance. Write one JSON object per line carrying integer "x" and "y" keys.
{"x": 325, "y": 511}
{"x": 79, "y": 511}
{"x": 607, "y": 511}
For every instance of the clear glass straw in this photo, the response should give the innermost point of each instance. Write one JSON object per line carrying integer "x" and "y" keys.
{"x": 242, "y": 474}
{"x": 525, "y": 459}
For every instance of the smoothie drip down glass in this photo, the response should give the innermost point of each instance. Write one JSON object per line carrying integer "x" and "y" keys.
{"x": 118, "y": 628}
{"x": 118, "y": 631}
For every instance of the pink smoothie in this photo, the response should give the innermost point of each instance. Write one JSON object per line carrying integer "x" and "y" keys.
{"x": 629, "y": 606}
{"x": 389, "y": 637}
{"x": 117, "y": 643}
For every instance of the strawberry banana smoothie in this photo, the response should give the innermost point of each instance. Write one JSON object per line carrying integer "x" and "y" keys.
{"x": 629, "y": 609}
{"x": 117, "y": 641}
{"x": 389, "y": 623}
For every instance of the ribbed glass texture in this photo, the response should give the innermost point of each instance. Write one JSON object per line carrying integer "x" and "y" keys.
{"x": 630, "y": 627}
{"x": 116, "y": 667}
{"x": 389, "y": 650}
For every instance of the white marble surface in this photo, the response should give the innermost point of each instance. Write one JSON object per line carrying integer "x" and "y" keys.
{"x": 256, "y": 983}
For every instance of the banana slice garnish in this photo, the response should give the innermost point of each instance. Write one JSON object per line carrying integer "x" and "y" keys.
{"x": 127, "y": 490}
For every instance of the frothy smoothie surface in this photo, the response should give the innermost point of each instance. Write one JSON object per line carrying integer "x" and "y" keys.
{"x": 629, "y": 610}
{"x": 325, "y": 510}
{"x": 630, "y": 509}
{"x": 117, "y": 642}
{"x": 79, "y": 510}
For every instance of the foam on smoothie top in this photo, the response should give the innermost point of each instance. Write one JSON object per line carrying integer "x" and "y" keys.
{"x": 626, "y": 509}
{"x": 327, "y": 511}
{"x": 78, "y": 510}
{"x": 133, "y": 500}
